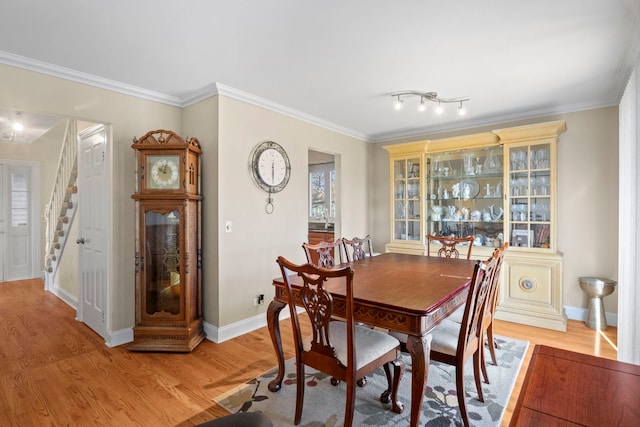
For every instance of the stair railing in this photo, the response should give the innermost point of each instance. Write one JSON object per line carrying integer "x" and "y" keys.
{"x": 60, "y": 201}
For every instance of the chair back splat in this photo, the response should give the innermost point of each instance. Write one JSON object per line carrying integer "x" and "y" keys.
{"x": 341, "y": 349}
{"x": 324, "y": 254}
{"x": 448, "y": 248}
{"x": 357, "y": 248}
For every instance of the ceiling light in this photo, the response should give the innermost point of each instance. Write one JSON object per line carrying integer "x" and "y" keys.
{"x": 17, "y": 126}
{"x": 422, "y": 106}
{"x": 428, "y": 96}
{"x": 399, "y": 103}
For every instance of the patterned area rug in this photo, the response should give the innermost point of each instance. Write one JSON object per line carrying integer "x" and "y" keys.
{"x": 324, "y": 403}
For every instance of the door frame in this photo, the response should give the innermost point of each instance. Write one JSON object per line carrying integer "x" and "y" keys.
{"x": 36, "y": 224}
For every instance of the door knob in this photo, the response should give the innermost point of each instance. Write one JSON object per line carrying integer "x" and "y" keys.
{"x": 80, "y": 241}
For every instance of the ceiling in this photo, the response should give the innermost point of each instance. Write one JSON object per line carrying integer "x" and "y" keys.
{"x": 335, "y": 63}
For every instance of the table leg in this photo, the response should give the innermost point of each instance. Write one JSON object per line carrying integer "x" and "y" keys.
{"x": 420, "y": 349}
{"x": 273, "y": 322}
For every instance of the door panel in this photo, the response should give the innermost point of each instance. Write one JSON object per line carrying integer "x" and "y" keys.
{"x": 16, "y": 222}
{"x": 93, "y": 238}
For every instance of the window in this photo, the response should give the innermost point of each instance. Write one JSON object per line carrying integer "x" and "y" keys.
{"x": 19, "y": 200}
{"x": 321, "y": 192}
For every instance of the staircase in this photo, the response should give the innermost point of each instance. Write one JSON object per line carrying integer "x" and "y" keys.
{"x": 61, "y": 209}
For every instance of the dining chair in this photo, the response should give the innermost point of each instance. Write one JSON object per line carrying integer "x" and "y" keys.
{"x": 448, "y": 245}
{"x": 341, "y": 349}
{"x": 489, "y": 311}
{"x": 324, "y": 254}
{"x": 455, "y": 343}
{"x": 357, "y": 248}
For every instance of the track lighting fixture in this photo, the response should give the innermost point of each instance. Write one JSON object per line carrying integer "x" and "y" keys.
{"x": 422, "y": 105}
{"x": 399, "y": 103}
{"x": 428, "y": 96}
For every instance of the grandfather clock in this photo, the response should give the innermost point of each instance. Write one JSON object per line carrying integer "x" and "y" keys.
{"x": 168, "y": 243}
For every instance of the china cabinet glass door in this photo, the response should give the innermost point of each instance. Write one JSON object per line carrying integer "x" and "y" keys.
{"x": 464, "y": 195}
{"x": 530, "y": 190}
{"x": 406, "y": 199}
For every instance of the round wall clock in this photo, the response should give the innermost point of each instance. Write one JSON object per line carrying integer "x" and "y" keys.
{"x": 270, "y": 168}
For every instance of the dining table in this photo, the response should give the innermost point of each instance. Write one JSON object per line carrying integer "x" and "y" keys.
{"x": 405, "y": 293}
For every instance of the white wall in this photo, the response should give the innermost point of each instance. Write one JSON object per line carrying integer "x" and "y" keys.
{"x": 587, "y": 196}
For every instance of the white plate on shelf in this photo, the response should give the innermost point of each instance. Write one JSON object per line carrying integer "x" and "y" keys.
{"x": 474, "y": 187}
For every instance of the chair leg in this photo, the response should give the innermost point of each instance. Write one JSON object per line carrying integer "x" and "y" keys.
{"x": 477, "y": 366}
{"x": 492, "y": 344}
{"x": 351, "y": 403}
{"x": 393, "y": 385}
{"x": 398, "y": 371}
{"x": 299, "y": 392}
{"x": 384, "y": 397}
{"x": 483, "y": 363}
{"x": 462, "y": 404}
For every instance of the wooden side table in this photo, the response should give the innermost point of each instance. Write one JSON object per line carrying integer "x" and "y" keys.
{"x": 564, "y": 388}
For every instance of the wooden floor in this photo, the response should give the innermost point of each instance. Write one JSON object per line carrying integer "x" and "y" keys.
{"x": 54, "y": 371}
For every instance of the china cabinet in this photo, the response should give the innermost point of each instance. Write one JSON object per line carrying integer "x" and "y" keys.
{"x": 498, "y": 186}
{"x": 168, "y": 243}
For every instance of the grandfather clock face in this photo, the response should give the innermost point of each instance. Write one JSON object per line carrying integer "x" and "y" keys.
{"x": 163, "y": 284}
{"x": 163, "y": 171}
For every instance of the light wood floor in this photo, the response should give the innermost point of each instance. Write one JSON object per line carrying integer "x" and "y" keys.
{"x": 54, "y": 371}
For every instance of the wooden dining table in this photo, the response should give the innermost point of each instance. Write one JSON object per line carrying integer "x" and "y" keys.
{"x": 411, "y": 294}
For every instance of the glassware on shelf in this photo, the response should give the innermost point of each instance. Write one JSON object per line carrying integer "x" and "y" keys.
{"x": 492, "y": 163}
{"x": 518, "y": 159}
{"x": 467, "y": 160}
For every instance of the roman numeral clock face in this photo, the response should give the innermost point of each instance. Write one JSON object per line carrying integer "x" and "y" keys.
{"x": 271, "y": 169}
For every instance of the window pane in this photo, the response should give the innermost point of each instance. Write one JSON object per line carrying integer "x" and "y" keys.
{"x": 317, "y": 183}
{"x": 19, "y": 200}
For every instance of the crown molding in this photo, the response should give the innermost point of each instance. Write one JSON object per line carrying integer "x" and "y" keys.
{"x": 85, "y": 78}
{"x": 239, "y": 95}
{"x": 199, "y": 95}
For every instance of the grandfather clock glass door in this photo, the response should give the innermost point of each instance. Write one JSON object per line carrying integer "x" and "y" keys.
{"x": 163, "y": 287}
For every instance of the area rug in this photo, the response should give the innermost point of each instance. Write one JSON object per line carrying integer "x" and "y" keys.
{"x": 324, "y": 403}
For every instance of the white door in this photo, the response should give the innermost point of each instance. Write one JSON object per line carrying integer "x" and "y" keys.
{"x": 93, "y": 240}
{"x": 18, "y": 221}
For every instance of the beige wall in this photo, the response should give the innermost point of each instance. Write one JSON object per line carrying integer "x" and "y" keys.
{"x": 201, "y": 121}
{"x": 587, "y": 196}
{"x": 247, "y": 255}
{"x": 128, "y": 116}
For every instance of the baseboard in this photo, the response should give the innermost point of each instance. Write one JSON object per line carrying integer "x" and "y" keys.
{"x": 579, "y": 313}
{"x": 241, "y": 327}
{"x": 120, "y": 337}
{"x": 70, "y": 299}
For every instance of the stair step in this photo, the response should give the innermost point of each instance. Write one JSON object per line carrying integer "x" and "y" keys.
{"x": 67, "y": 205}
{"x": 60, "y": 233}
{"x": 63, "y": 220}
{"x": 72, "y": 189}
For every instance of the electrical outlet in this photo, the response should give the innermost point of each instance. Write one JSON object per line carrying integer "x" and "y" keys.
{"x": 259, "y": 300}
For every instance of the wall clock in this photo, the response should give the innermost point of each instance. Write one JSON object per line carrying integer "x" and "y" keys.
{"x": 270, "y": 169}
